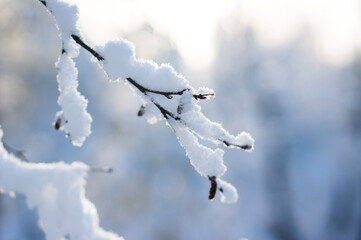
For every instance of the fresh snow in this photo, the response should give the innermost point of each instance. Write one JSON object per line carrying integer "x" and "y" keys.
{"x": 74, "y": 118}
{"x": 165, "y": 94}
{"x": 56, "y": 191}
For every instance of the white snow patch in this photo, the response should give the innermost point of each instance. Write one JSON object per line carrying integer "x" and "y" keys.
{"x": 66, "y": 17}
{"x": 206, "y": 161}
{"x": 76, "y": 120}
{"x": 229, "y": 192}
{"x": 56, "y": 191}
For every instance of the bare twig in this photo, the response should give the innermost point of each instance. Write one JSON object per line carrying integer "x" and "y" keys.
{"x": 145, "y": 90}
{"x": 228, "y": 144}
{"x": 203, "y": 96}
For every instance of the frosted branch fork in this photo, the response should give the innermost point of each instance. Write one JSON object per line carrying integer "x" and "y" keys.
{"x": 165, "y": 94}
{"x": 166, "y": 114}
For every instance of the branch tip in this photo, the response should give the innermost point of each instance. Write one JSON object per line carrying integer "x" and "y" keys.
{"x": 166, "y": 114}
{"x": 228, "y": 144}
{"x": 145, "y": 90}
{"x": 203, "y": 96}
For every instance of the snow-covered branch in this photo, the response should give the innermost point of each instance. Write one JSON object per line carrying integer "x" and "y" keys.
{"x": 56, "y": 191}
{"x": 165, "y": 94}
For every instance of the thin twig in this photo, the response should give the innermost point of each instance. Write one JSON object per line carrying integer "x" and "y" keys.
{"x": 86, "y": 47}
{"x": 228, "y": 144}
{"x": 202, "y": 96}
{"x": 168, "y": 95}
{"x": 145, "y": 90}
{"x": 166, "y": 114}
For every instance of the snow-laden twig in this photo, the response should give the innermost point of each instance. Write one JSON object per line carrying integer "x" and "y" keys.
{"x": 73, "y": 118}
{"x": 166, "y": 94}
{"x": 56, "y": 191}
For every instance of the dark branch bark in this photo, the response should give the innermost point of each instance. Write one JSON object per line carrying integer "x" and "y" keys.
{"x": 166, "y": 113}
{"x": 145, "y": 90}
{"x": 213, "y": 189}
{"x": 228, "y": 144}
{"x": 168, "y": 95}
{"x": 86, "y": 47}
{"x": 203, "y": 96}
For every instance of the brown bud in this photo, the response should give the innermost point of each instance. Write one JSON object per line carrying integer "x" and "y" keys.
{"x": 213, "y": 189}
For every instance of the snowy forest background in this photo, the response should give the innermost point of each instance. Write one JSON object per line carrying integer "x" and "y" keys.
{"x": 299, "y": 96}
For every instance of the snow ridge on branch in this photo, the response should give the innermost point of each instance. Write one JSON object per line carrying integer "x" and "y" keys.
{"x": 165, "y": 94}
{"x": 56, "y": 191}
{"x": 73, "y": 119}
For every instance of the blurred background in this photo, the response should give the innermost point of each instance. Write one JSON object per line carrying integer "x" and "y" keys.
{"x": 288, "y": 72}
